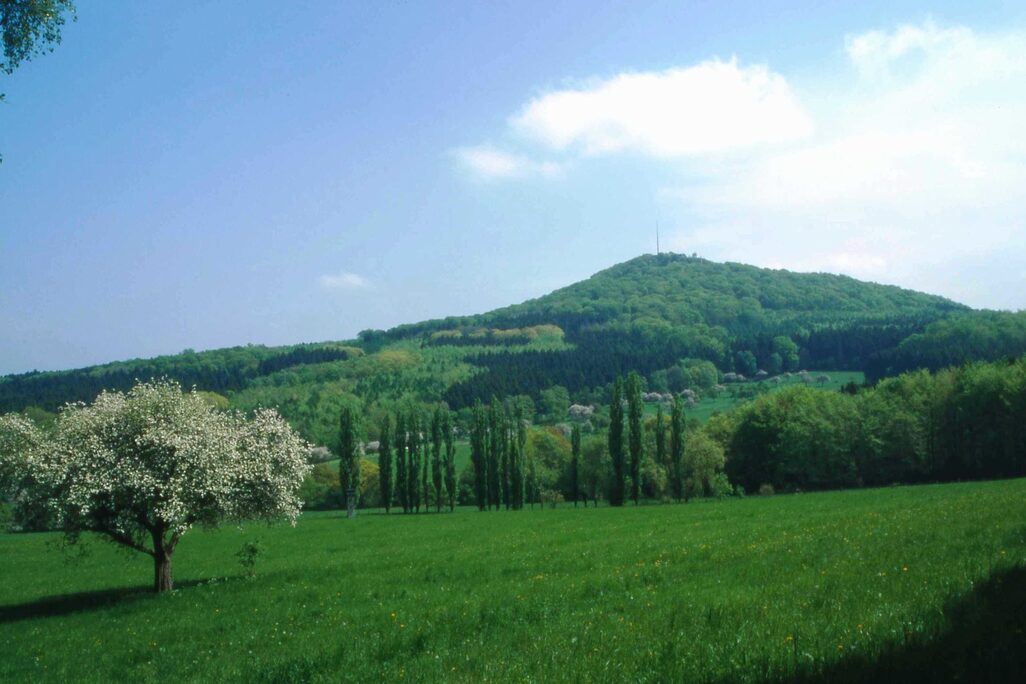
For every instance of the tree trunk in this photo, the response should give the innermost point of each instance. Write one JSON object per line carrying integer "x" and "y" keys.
{"x": 162, "y": 572}
{"x": 162, "y": 551}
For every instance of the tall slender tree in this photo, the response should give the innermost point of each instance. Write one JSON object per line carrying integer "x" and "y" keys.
{"x": 425, "y": 465}
{"x": 635, "y": 437}
{"x": 478, "y": 455}
{"x": 505, "y": 490}
{"x": 677, "y": 449}
{"x": 616, "y": 485}
{"x": 436, "y": 457}
{"x": 401, "y": 466}
{"x": 660, "y": 436}
{"x": 413, "y": 444}
{"x": 450, "y": 460}
{"x": 532, "y": 480}
{"x": 385, "y": 463}
{"x": 349, "y": 454}
{"x": 521, "y": 449}
{"x": 494, "y": 445}
{"x": 575, "y": 463}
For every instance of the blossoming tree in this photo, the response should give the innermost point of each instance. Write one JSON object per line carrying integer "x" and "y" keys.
{"x": 143, "y": 467}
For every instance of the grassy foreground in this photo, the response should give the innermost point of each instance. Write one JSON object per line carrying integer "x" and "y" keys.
{"x": 827, "y": 586}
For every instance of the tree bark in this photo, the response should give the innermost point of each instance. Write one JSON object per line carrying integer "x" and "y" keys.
{"x": 162, "y": 579}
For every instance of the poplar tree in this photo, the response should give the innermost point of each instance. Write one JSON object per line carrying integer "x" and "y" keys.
{"x": 436, "y": 456}
{"x": 401, "y": 468}
{"x": 349, "y": 454}
{"x": 677, "y": 449}
{"x": 450, "y": 461}
{"x": 413, "y": 478}
{"x": 478, "y": 447}
{"x": 660, "y": 436}
{"x": 634, "y": 410}
{"x": 532, "y": 480}
{"x": 616, "y": 486}
{"x": 385, "y": 463}
{"x": 505, "y": 492}
{"x": 575, "y": 463}
{"x": 494, "y": 444}
{"x": 518, "y": 471}
{"x": 425, "y": 466}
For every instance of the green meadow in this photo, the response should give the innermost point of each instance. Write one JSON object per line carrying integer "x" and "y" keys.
{"x": 905, "y": 583}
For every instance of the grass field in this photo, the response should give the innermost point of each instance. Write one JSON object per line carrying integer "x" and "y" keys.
{"x": 923, "y": 581}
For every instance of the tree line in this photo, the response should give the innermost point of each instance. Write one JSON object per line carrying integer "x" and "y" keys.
{"x": 416, "y": 459}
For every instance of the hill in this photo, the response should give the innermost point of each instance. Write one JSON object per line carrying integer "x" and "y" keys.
{"x": 662, "y": 315}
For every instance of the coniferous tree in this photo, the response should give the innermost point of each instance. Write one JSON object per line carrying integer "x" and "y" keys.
{"x": 634, "y": 410}
{"x": 450, "y": 460}
{"x": 575, "y": 463}
{"x": 401, "y": 466}
{"x": 660, "y": 437}
{"x": 478, "y": 447}
{"x": 436, "y": 457}
{"x": 616, "y": 485}
{"x": 349, "y": 454}
{"x": 385, "y": 463}
{"x": 677, "y": 449}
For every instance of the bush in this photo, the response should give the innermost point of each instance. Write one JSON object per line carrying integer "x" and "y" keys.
{"x": 766, "y": 489}
{"x": 720, "y": 486}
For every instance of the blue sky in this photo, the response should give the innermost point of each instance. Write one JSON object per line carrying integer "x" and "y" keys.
{"x": 199, "y": 175}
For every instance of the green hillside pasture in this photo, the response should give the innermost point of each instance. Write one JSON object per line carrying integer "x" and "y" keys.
{"x": 829, "y": 586}
{"x": 726, "y": 401}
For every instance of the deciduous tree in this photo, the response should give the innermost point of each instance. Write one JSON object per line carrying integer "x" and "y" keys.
{"x": 144, "y": 467}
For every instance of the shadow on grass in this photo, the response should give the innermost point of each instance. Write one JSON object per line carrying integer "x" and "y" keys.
{"x": 985, "y": 641}
{"x": 66, "y": 604}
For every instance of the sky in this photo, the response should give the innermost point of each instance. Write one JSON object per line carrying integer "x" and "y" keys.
{"x": 199, "y": 175}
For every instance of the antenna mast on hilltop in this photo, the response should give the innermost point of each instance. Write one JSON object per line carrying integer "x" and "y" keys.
{"x": 657, "y": 238}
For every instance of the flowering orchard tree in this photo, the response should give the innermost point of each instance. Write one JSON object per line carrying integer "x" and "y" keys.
{"x": 144, "y": 467}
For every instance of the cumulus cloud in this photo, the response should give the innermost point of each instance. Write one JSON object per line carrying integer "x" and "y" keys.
{"x": 486, "y": 161}
{"x": 344, "y": 281}
{"x": 915, "y": 170}
{"x": 711, "y": 107}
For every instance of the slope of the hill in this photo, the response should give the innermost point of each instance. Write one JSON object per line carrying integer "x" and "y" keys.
{"x": 677, "y": 290}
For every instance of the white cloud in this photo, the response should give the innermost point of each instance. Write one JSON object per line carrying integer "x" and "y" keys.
{"x": 710, "y": 107}
{"x": 918, "y": 164}
{"x": 488, "y": 162}
{"x": 344, "y": 281}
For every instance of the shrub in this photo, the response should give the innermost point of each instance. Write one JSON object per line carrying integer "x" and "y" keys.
{"x": 766, "y": 489}
{"x": 720, "y": 486}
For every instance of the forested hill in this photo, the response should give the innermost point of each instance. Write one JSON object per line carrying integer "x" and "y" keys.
{"x": 654, "y": 314}
{"x": 673, "y": 290}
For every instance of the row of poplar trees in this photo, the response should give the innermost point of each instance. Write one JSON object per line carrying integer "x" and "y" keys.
{"x": 423, "y": 470}
{"x": 628, "y": 392}
{"x": 503, "y": 474}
